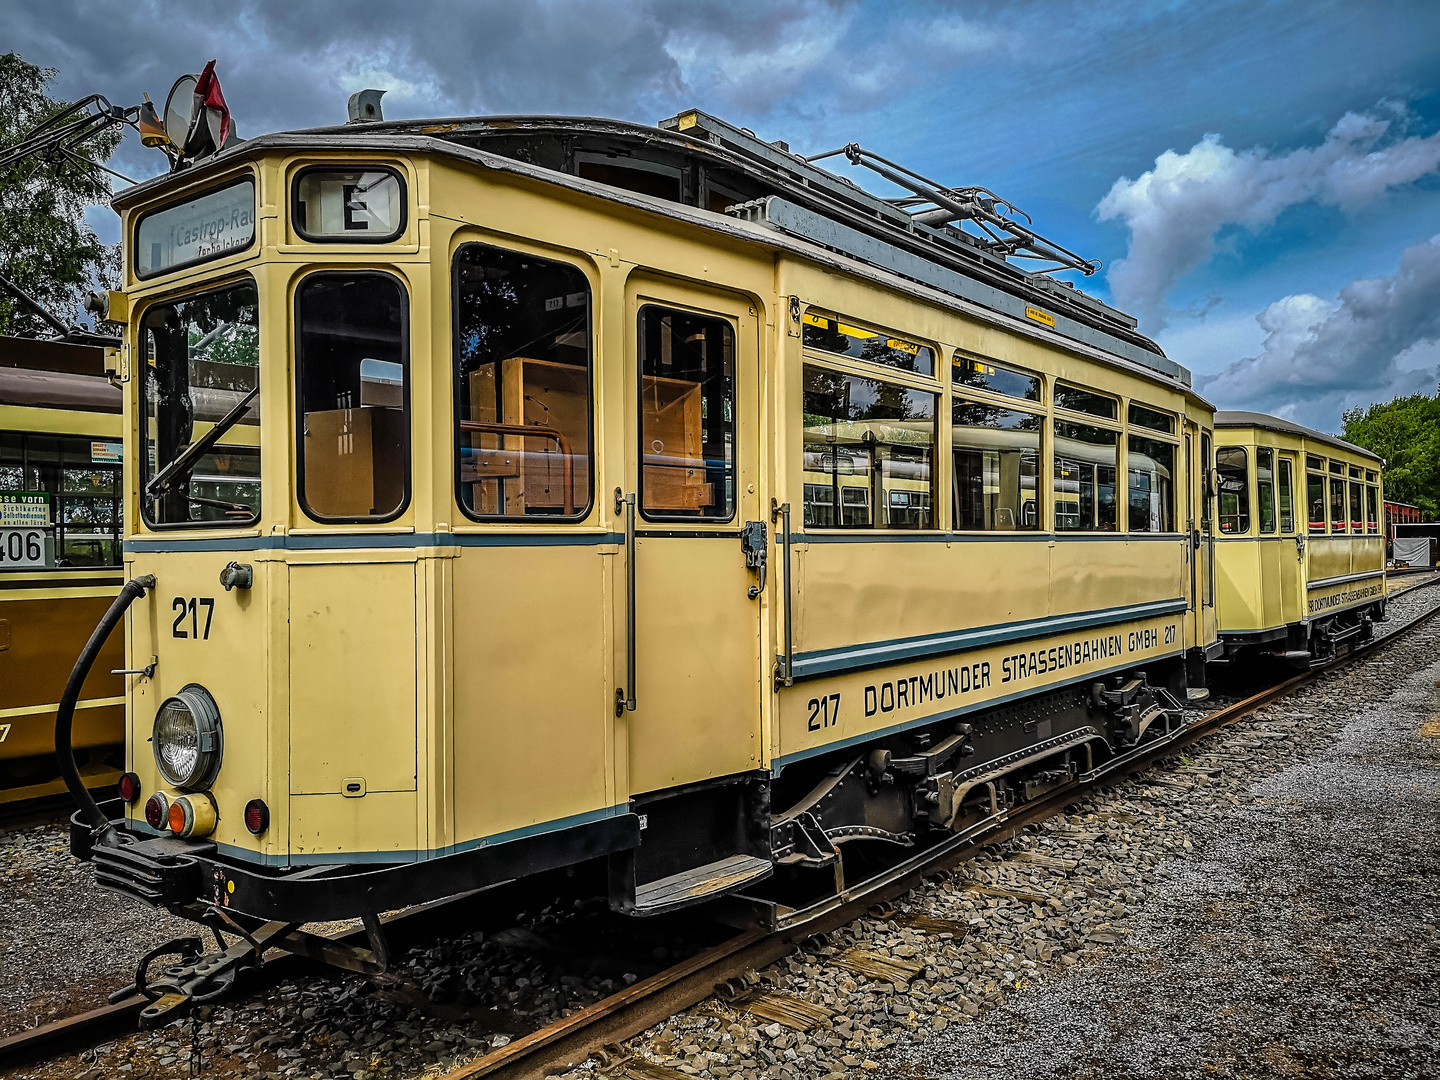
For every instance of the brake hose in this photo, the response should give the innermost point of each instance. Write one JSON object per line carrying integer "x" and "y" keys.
{"x": 131, "y": 591}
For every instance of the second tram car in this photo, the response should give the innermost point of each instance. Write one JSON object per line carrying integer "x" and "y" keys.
{"x": 1300, "y": 559}
{"x": 647, "y": 499}
{"x": 60, "y": 497}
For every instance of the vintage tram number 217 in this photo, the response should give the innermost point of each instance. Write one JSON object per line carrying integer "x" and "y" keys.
{"x": 191, "y": 607}
{"x": 824, "y": 712}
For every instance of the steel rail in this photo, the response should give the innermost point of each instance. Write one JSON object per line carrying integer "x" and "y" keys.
{"x": 589, "y": 1031}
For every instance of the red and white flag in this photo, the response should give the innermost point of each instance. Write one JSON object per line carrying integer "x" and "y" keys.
{"x": 211, "y": 117}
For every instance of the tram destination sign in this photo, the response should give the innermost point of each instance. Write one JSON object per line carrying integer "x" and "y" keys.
{"x": 204, "y": 228}
{"x": 24, "y": 508}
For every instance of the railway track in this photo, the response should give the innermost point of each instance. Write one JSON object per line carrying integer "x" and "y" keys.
{"x": 595, "y": 1029}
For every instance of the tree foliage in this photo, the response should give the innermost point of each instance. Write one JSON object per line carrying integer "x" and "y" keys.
{"x": 1406, "y": 433}
{"x": 46, "y": 247}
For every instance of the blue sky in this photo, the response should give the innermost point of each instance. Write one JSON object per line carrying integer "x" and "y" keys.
{"x": 1261, "y": 180}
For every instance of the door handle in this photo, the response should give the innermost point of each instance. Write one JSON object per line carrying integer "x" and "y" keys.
{"x": 625, "y": 695}
{"x": 784, "y": 664}
{"x": 755, "y": 545}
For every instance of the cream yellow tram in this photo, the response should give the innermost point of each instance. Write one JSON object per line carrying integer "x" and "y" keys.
{"x": 1300, "y": 558}
{"x": 59, "y": 561}
{"x": 648, "y": 499}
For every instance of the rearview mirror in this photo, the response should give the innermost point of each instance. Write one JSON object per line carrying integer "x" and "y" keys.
{"x": 180, "y": 110}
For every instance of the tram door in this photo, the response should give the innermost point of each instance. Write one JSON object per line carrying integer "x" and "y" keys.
{"x": 693, "y": 464}
{"x": 1200, "y": 526}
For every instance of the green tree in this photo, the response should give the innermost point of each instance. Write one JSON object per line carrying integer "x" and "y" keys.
{"x": 1406, "y": 433}
{"x": 45, "y": 245}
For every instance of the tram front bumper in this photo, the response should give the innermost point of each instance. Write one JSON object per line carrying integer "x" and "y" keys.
{"x": 179, "y": 874}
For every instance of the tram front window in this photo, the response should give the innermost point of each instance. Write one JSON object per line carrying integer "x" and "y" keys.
{"x": 353, "y": 366}
{"x": 201, "y": 401}
{"x": 73, "y": 483}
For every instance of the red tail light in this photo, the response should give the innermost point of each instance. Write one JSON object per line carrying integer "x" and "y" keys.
{"x": 257, "y": 816}
{"x": 129, "y": 787}
{"x": 157, "y": 810}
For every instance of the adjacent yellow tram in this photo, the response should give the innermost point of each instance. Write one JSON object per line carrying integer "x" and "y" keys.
{"x": 1300, "y": 559}
{"x": 60, "y": 569}
{"x": 576, "y": 492}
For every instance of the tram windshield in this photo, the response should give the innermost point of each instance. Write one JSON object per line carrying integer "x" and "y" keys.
{"x": 201, "y": 402}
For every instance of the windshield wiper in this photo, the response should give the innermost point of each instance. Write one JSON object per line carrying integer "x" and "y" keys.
{"x": 231, "y": 509}
{"x": 173, "y": 473}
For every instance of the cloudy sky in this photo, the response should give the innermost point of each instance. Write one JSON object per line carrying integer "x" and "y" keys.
{"x": 1261, "y": 180}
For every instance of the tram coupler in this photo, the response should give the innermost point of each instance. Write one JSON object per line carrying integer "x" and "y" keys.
{"x": 199, "y": 977}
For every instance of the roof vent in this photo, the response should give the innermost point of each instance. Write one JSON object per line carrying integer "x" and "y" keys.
{"x": 365, "y": 106}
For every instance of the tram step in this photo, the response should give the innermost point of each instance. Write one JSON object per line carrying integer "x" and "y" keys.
{"x": 699, "y": 882}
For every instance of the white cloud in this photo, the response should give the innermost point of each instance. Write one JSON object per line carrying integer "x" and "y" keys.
{"x": 1376, "y": 340}
{"x": 1175, "y": 210}
{"x": 1209, "y": 344}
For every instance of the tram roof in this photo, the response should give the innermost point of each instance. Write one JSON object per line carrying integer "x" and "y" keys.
{"x": 1240, "y": 418}
{"x": 776, "y": 189}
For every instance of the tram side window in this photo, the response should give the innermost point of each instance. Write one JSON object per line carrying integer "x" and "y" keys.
{"x": 1315, "y": 491}
{"x": 1079, "y": 399}
{"x": 1337, "y": 505}
{"x": 997, "y": 467}
{"x": 687, "y": 416}
{"x": 72, "y": 483}
{"x": 1372, "y": 504}
{"x": 869, "y": 453}
{"x": 353, "y": 370}
{"x": 1357, "y": 507}
{"x": 1151, "y": 468}
{"x": 1287, "y": 496}
{"x": 1265, "y": 487}
{"x": 202, "y": 387}
{"x": 1232, "y": 469}
{"x": 1205, "y": 465}
{"x": 522, "y": 364}
{"x": 991, "y": 375}
{"x": 1086, "y": 464}
{"x": 829, "y": 333}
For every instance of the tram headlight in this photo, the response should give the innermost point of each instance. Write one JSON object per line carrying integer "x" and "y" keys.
{"x": 187, "y": 739}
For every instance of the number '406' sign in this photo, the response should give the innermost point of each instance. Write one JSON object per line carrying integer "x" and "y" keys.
{"x": 22, "y": 548}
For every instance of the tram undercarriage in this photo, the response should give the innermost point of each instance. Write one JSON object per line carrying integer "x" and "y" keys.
{"x": 1308, "y": 645}
{"x": 821, "y": 828}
